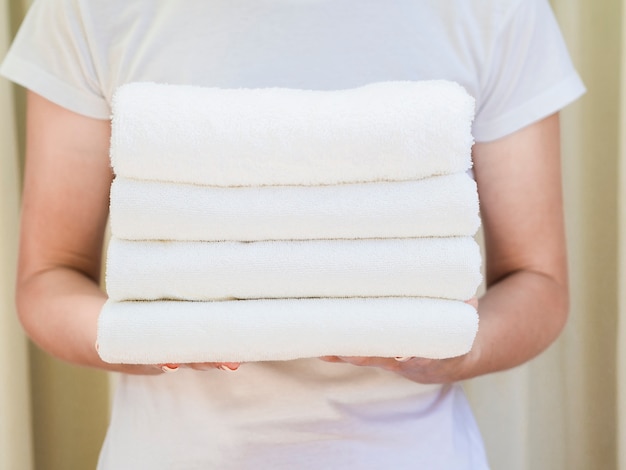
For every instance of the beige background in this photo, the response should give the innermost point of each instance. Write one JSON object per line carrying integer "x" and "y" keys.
{"x": 564, "y": 410}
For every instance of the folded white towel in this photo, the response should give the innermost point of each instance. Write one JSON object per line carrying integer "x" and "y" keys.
{"x": 258, "y": 330}
{"x": 440, "y": 206}
{"x": 389, "y": 131}
{"x": 447, "y": 268}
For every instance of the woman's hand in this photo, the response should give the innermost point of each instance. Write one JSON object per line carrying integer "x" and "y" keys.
{"x": 158, "y": 369}
{"x": 154, "y": 369}
{"x": 419, "y": 369}
{"x": 64, "y": 214}
{"x": 203, "y": 366}
{"x": 525, "y": 306}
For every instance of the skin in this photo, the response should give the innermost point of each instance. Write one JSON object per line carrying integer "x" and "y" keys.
{"x": 65, "y": 207}
{"x": 526, "y": 303}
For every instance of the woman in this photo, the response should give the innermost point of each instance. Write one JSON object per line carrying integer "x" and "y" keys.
{"x": 366, "y": 413}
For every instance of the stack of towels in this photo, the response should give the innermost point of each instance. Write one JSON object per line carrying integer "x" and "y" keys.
{"x": 275, "y": 224}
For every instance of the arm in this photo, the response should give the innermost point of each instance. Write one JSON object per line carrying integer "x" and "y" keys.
{"x": 64, "y": 214}
{"x": 526, "y": 302}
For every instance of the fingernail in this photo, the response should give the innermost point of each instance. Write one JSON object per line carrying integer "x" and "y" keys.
{"x": 169, "y": 368}
{"x": 225, "y": 367}
{"x": 97, "y": 345}
{"x": 403, "y": 358}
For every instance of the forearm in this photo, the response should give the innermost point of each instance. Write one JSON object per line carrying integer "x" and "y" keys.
{"x": 526, "y": 303}
{"x": 520, "y": 316}
{"x": 64, "y": 214}
{"x": 59, "y": 309}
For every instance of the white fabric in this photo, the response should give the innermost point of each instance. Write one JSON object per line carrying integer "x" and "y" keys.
{"x": 284, "y": 136}
{"x": 446, "y": 268}
{"x": 488, "y": 46}
{"x": 389, "y": 131}
{"x": 304, "y": 414}
{"x": 277, "y": 330}
{"x": 440, "y": 206}
{"x": 364, "y": 420}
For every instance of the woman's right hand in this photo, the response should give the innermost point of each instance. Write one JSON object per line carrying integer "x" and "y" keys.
{"x": 203, "y": 366}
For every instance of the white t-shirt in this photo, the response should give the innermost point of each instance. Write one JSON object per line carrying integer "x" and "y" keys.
{"x": 304, "y": 414}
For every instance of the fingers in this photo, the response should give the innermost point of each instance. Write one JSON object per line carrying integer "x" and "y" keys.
{"x": 363, "y": 360}
{"x": 403, "y": 358}
{"x": 420, "y": 367}
{"x": 331, "y": 359}
{"x": 473, "y": 302}
{"x": 200, "y": 366}
{"x": 169, "y": 367}
{"x": 232, "y": 366}
{"x": 387, "y": 363}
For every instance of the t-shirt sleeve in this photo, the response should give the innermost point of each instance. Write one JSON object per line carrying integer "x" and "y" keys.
{"x": 51, "y": 56}
{"x": 529, "y": 73}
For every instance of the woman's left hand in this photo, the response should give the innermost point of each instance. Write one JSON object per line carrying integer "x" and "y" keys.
{"x": 419, "y": 369}
{"x": 526, "y": 302}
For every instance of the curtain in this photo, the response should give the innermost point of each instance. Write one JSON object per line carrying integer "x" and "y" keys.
{"x": 15, "y": 421}
{"x": 53, "y": 416}
{"x": 560, "y": 410}
{"x": 563, "y": 410}
{"x": 621, "y": 283}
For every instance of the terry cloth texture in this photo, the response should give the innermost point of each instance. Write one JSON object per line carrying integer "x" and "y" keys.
{"x": 390, "y": 131}
{"x": 275, "y": 224}
{"x": 446, "y": 268}
{"x": 438, "y": 206}
{"x": 257, "y": 330}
